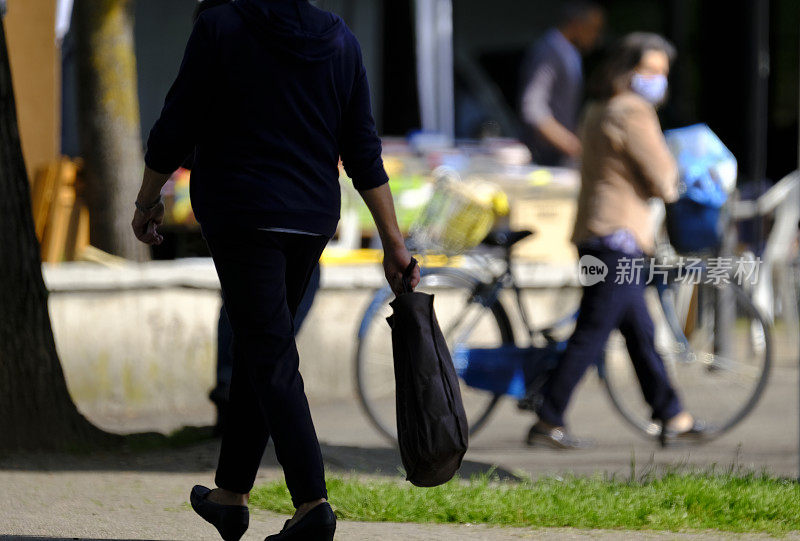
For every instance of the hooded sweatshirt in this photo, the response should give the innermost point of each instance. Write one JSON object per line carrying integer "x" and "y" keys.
{"x": 270, "y": 94}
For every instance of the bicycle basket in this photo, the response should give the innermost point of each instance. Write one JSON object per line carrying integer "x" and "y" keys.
{"x": 458, "y": 215}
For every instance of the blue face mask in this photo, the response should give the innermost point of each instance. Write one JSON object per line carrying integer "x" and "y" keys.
{"x": 653, "y": 88}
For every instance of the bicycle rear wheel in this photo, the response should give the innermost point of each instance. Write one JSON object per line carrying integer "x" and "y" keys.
{"x": 717, "y": 350}
{"x": 463, "y": 322}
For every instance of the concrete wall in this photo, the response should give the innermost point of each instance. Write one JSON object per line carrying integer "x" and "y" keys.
{"x": 137, "y": 352}
{"x": 138, "y": 342}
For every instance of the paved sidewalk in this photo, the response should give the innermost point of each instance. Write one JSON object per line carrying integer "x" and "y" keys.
{"x": 766, "y": 440}
{"x": 100, "y": 505}
{"x": 134, "y": 505}
{"x": 144, "y": 495}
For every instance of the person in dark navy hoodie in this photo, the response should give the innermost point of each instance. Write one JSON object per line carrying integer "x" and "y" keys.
{"x": 270, "y": 93}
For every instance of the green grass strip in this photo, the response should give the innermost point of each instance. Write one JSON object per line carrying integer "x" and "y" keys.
{"x": 672, "y": 502}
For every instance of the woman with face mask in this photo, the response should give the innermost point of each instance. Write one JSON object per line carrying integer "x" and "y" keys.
{"x": 625, "y": 162}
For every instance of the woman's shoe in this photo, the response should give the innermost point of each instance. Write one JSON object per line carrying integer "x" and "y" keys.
{"x": 319, "y": 524}
{"x": 555, "y": 437}
{"x": 231, "y": 521}
{"x": 695, "y": 434}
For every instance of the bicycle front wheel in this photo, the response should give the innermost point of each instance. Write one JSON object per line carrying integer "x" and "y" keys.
{"x": 717, "y": 351}
{"x": 463, "y": 321}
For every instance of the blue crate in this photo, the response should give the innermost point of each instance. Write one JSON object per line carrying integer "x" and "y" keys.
{"x": 505, "y": 369}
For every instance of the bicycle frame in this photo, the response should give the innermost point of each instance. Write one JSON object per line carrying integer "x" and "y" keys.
{"x": 480, "y": 284}
{"x": 487, "y": 290}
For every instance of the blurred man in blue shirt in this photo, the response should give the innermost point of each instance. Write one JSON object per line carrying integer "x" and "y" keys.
{"x": 552, "y": 84}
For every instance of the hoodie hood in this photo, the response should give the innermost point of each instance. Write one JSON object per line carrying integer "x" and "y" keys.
{"x": 295, "y": 27}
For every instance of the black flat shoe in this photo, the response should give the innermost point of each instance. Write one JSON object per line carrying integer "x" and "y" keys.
{"x": 316, "y": 525}
{"x": 555, "y": 438}
{"x": 231, "y": 521}
{"x": 696, "y": 434}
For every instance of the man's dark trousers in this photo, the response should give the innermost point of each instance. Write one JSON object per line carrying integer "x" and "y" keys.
{"x": 606, "y": 306}
{"x": 263, "y": 276}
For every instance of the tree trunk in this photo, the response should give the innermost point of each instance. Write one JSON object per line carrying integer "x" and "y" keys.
{"x": 36, "y": 411}
{"x": 108, "y": 114}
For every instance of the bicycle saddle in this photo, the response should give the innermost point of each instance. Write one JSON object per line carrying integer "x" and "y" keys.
{"x": 505, "y": 238}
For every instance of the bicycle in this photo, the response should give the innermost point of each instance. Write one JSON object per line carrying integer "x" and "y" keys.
{"x": 714, "y": 341}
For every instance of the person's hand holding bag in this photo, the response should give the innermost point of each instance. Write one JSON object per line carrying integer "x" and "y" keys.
{"x": 398, "y": 265}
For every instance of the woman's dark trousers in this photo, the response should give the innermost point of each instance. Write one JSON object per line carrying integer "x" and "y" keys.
{"x": 219, "y": 394}
{"x": 263, "y": 276}
{"x": 604, "y": 307}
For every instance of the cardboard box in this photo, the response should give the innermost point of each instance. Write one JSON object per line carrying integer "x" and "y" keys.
{"x": 551, "y": 220}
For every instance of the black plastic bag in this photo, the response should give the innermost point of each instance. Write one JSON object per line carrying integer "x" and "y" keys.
{"x": 432, "y": 429}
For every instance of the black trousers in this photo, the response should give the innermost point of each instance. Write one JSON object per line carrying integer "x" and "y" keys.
{"x": 263, "y": 276}
{"x": 225, "y": 339}
{"x": 604, "y": 307}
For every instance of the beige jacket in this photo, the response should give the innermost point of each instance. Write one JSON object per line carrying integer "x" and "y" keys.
{"x": 625, "y": 162}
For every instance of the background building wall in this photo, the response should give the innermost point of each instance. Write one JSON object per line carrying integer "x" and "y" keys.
{"x": 711, "y": 35}
{"x": 162, "y": 29}
{"x": 35, "y": 69}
